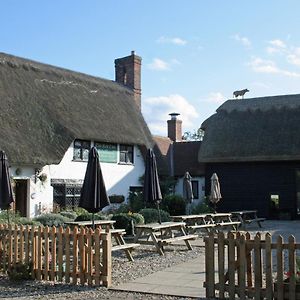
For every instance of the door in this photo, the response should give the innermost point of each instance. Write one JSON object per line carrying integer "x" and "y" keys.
{"x": 21, "y": 197}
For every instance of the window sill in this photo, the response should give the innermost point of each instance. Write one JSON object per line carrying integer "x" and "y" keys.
{"x": 79, "y": 160}
{"x": 126, "y": 164}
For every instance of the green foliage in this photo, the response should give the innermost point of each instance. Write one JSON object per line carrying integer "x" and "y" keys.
{"x": 88, "y": 217}
{"x": 137, "y": 218}
{"x": 193, "y": 136}
{"x": 167, "y": 185}
{"x": 71, "y": 214}
{"x": 9, "y": 217}
{"x": 151, "y": 215}
{"x": 27, "y": 221}
{"x": 20, "y": 271}
{"x": 174, "y": 205}
{"x": 116, "y": 198}
{"x": 123, "y": 221}
{"x": 136, "y": 201}
{"x": 201, "y": 208}
{"x": 80, "y": 211}
{"x": 51, "y": 219}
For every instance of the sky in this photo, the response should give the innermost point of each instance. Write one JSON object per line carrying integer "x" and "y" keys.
{"x": 195, "y": 53}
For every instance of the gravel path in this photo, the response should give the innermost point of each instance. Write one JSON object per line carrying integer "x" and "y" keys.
{"x": 146, "y": 262}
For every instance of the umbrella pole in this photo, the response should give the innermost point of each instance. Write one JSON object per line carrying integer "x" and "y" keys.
{"x": 93, "y": 221}
{"x": 159, "y": 216}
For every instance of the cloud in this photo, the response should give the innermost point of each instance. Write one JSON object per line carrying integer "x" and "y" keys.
{"x": 277, "y": 43}
{"x": 260, "y": 65}
{"x": 215, "y": 97}
{"x": 159, "y": 65}
{"x": 156, "y": 111}
{"x": 242, "y": 39}
{"x": 294, "y": 57}
{"x": 175, "y": 40}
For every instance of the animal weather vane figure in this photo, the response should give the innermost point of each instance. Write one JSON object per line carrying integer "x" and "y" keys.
{"x": 240, "y": 93}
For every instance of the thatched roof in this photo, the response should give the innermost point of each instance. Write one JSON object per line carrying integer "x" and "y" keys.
{"x": 257, "y": 129}
{"x": 44, "y": 108}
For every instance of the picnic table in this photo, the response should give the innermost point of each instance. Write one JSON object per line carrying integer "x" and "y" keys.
{"x": 160, "y": 235}
{"x": 223, "y": 220}
{"x": 247, "y": 217}
{"x": 116, "y": 234}
{"x": 196, "y": 222}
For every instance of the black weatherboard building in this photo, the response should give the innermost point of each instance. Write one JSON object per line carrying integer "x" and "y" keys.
{"x": 254, "y": 147}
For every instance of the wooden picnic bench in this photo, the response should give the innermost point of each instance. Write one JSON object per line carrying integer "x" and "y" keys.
{"x": 247, "y": 217}
{"x": 119, "y": 242}
{"x": 196, "y": 222}
{"x": 160, "y": 235}
{"x": 223, "y": 220}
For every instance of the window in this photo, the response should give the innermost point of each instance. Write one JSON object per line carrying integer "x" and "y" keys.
{"x": 195, "y": 187}
{"x": 66, "y": 195}
{"x": 81, "y": 150}
{"x": 126, "y": 154}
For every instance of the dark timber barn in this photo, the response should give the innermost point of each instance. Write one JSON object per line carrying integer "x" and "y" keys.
{"x": 254, "y": 147}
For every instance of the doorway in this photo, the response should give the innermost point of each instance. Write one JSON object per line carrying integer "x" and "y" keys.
{"x": 21, "y": 189}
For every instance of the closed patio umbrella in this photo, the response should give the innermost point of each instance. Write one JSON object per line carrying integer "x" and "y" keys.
{"x": 151, "y": 189}
{"x": 188, "y": 190}
{"x": 6, "y": 195}
{"x": 93, "y": 196}
{"x": 215, "y": 193}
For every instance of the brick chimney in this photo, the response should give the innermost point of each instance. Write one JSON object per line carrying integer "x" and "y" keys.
{"x": 175, "y": 128}
{"x": 128, "y": 73}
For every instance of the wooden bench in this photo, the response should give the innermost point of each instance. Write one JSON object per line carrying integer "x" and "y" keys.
{"x": 193, "y": 228}
{"x": 247, "y": 217}
{"x": 124, "y": 247}
{"x": 233, "y": 225}
{"x": 178, "y": 238}
{"x": 258, "y": 220}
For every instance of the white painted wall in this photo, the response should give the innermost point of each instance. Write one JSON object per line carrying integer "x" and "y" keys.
{"x": 117, "y": 177}
{"x": 201, "y": 182}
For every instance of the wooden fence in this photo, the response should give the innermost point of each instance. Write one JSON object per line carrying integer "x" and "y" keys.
{"x": 238, "y": 265}
{"x": 58, "y": 254}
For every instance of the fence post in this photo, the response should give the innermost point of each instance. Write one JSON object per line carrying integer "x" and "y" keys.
{"x": 292, "y": 269}
{"x": 221, "y": 264}
{"x": 106, "y": 242}
{"x": 269, "y": 271}
{"x": 242, "y": 266}
{"x": 257, "y": 267}
{"x": 96, "y": 235}
{"x": 210, "y": 265}
{"x": 231, "y": 265}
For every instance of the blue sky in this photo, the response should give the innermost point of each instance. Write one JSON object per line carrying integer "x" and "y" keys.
{"x": 195, "y": 53}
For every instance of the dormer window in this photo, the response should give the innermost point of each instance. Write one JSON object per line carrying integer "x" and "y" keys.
{"x": 126, "y": 154}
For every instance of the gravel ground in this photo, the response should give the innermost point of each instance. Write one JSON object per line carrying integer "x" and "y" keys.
{"x": 146, "y": 262}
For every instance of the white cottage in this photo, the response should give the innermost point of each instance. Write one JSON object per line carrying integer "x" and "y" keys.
{"x": 49, "y": 119}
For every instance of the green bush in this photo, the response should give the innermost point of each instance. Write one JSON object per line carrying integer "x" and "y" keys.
{"x": 136, "y": 201}
{"x": 51, "y": 219}
{"x": 123, "y": 221}
{"x": 27, "y": 221}
{"x": 71, "y": 214}
{"x": 174, "y": 205}
{"x": 9, "y": 217}
{"x": 201, "y": 208}
{"x": 80, "y": 211}
{"x": 137, "y": 218}
{"x": 88, "y": 217}
{"x": 20, "y": 271}
{"x": 151, "y": 215}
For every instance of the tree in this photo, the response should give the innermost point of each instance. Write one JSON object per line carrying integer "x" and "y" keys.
{"x": 196, "y": 135}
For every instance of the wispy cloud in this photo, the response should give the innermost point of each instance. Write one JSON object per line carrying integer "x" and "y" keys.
{"x": 260, "y": 65}
{"x": 215, "y": 98}
{"x": 159, "y": 65}
{"x": 172, "y": 40}
{"x": 242, "y": 39}
{"x": 156, "y": 110}
{"x": 277, "y": 43}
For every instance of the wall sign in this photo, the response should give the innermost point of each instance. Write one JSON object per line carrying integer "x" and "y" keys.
{"x": 107, "y": 152}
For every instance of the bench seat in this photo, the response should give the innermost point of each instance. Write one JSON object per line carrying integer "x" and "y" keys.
{"x": 123, "y": 247}
{"x": 201, "y": 226}
{"x": 255, "y": 220}
{"x": 179, "y": 238}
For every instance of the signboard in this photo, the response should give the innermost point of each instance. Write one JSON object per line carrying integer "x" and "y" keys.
{"x": 107, "y": 152}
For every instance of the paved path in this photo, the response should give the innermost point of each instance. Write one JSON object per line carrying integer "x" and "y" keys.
{"x": 185, "y": 280}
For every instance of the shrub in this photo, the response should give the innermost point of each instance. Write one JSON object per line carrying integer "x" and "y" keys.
{"x": 20, "y": 271}
{"x": 71, "y": 214}
{"x": 174, "y": 205}
{"x": 123, "y": 221}
{"x": 201, "y": 208}
{"x": 88, "y": 217}
{"x": 27, "y": 221}
{"x": 80, "y": 211}
{"x": 51, "y": 219}
{"x": 137, "y": 218}
{"x": 9, "y": 216}
{"x": 136, "y": 201}
{"x": 151, "y": 215}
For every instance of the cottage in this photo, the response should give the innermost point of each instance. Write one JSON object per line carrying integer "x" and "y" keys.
{"x": 49, "y": 119}
{"x": 254, "y": 147}
{"x": 176, "y": 156}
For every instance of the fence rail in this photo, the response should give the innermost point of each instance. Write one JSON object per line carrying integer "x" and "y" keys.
{"x": 58, "y": 254}
{"x": 238, "y": 265}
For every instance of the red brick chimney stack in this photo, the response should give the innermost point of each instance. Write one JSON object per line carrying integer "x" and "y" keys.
{"x": 128, "y": 72}
{"x": 175, "y": 128}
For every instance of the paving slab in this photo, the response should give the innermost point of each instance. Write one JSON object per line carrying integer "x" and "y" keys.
{"x": 184, "y": 280}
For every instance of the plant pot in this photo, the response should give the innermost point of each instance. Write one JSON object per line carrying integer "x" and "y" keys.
{"x": 286, "y": 290}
